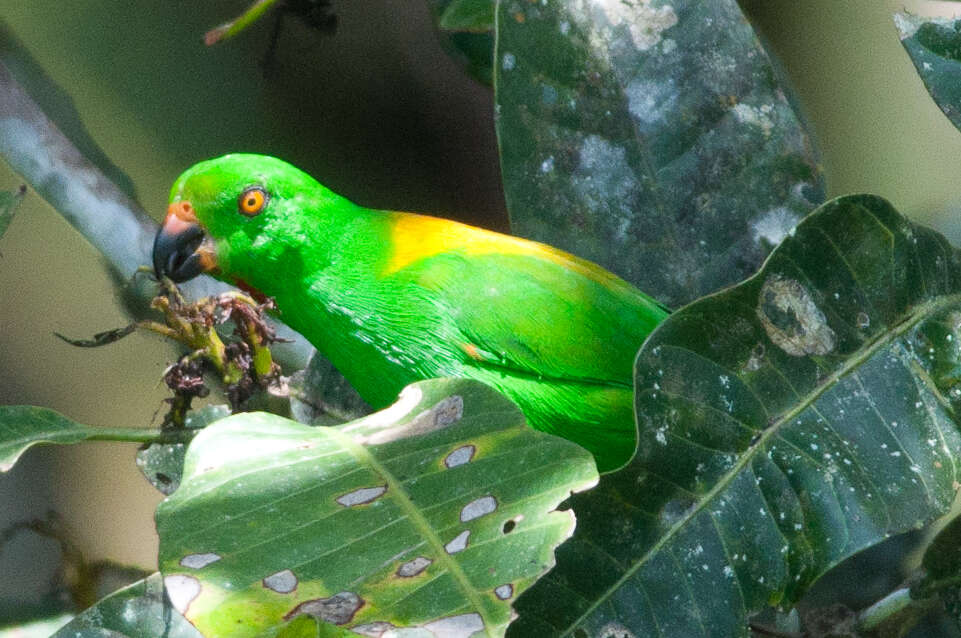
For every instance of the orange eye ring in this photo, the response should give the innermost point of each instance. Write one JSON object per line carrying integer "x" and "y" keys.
{"x": 252, "y": 201}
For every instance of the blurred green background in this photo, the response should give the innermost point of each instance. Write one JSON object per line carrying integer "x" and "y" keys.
{"x": 379, "y": 113}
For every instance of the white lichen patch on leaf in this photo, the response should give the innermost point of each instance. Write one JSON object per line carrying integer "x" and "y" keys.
{"x": 645, "y": 21}
{"x": 181, "y": 590}
{"x": 615, "y": 630}
{"x": 758, "y": 116}
{"x": 460, "y": 456}
{"x": 362, "y": 496}
{"x": 459, "y": 543}
{"x": 413, "y": 567}
{"x": 477, "y": 508}
{"x": 774, "y": 225}
{"x": 606, "y": 182}
{"x": 651, "y": 101}
{"x": 282, "y": 582}
{"x": 907, "y": 24}
{"x": 792, "y": 320}
{"x": 198, "y": 561}
{"x": 462, "y": 626}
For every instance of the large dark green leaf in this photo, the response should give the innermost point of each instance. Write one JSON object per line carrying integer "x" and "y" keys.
{"x": 934, "y": 45}
{"x": 785, "y": 424}
{"x": 433, "y": 514}
{"x": 650, "y": 137}
{"x": 137, "y": 611}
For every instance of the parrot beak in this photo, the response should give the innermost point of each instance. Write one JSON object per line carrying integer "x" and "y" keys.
{"x": 181, "y": 249}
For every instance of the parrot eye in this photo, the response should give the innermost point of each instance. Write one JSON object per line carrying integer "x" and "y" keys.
{"x": 252, "y": 201}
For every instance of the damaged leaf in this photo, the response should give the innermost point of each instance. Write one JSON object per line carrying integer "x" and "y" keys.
{"x": 162, "y": 462}
{"x": 784, "y": 425}
{"x": 653, "y": 138}
{"x": 433, "y": 514}
{"x": 137, "y": 611}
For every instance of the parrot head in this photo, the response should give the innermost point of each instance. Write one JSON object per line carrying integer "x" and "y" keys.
{"x": 235, "y": 214}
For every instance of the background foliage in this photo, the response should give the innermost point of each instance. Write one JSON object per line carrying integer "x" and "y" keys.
{"x": 194, "y": 103}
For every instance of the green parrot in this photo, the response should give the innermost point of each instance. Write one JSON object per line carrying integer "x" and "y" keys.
{"x": 391, "y": 298}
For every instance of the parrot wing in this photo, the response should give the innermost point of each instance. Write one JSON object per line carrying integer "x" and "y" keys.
{"x": 557, "y": 318}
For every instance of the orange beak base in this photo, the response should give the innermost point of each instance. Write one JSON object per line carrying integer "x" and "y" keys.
{"x": 181, "y": 249}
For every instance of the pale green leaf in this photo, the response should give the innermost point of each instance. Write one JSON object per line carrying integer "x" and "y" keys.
{"x": 434, "y": 513}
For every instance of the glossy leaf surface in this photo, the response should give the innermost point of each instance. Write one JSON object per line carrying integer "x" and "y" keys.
{"x": 785, "y": 424}
{"x": 650, "y": 137}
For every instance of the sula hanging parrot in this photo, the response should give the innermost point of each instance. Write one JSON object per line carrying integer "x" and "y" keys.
{"x": 393, "y": 297}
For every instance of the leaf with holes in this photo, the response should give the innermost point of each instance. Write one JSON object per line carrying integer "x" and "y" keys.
{"x": 162, "y": 462}
{"x": 23, "y": 426}
{"x": 650, "y": 137}
{"x": 934, "y": 45}
{"x": 136, "y": 611}
{"x": 784, "y": 424}
{"x": 432, "y": 514}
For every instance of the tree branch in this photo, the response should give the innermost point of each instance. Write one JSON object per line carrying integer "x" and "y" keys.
{"x": 107, "y": 218}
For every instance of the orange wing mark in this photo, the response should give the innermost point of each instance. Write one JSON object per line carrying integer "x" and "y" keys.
{"x": 416, "y": 237}
{"x": 471, "y": 351}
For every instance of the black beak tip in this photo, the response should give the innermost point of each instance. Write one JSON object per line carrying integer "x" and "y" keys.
{"x": 175, "y": 254}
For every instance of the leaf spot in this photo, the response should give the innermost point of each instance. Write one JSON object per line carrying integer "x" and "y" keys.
{"x": 777, "y": 223}
{"x": 462, "y": 626}
{"x": 460, "y": 456}
{"x": 511, "y": 523}
{"x": 414, "y": 567}
{"x": 505, "y": 591}
{"x": 792, "y": 320}
{"x": 615, "y": 630}
{"x": 282, "y": 582}
{"x": 645, "y": 22}
{"x": 374, "y": 629}
{"x": 181, "y": 590}
{"x": 362, "y": 496}
{"x": 197, "y": 561}
{"x": 459, "y": 543}
{"x": 339, "y": 609}
{"x": 441, "y": 415}
{"x": 477, "y": 508}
